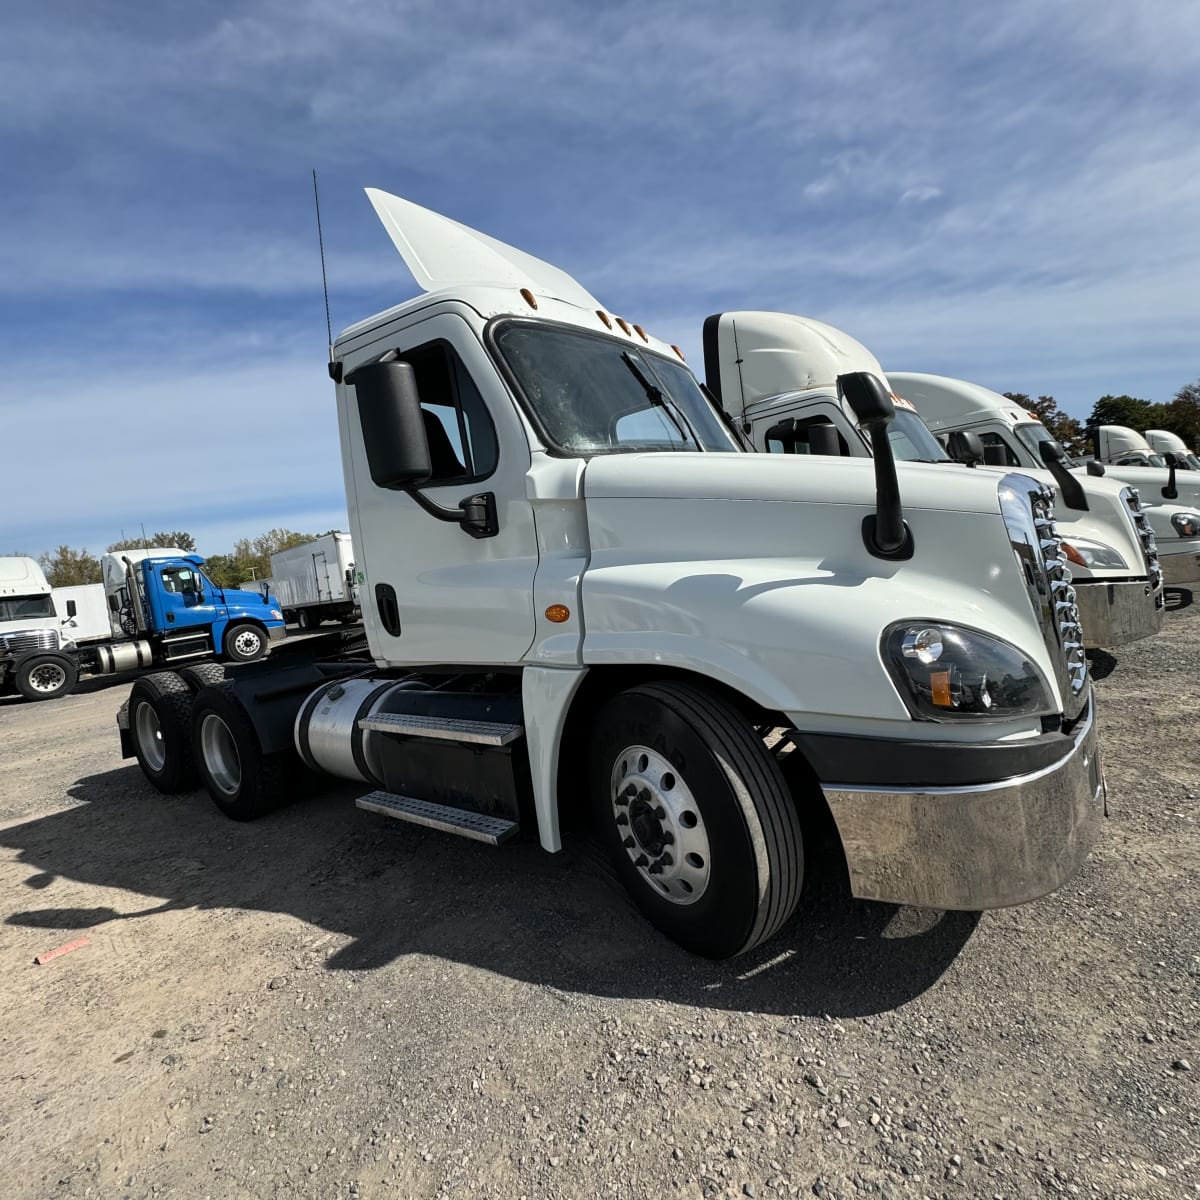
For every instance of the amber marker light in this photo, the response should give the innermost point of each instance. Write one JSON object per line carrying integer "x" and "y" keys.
{"x": 624, "y": 324}
{"x": 529, "y": 297}
{"x": 939, "y": 683}
{"x": 641, "y": 333}
{"x": 680, "y": 353}
{"x": 558, "y": 613}
{"x": 1073, "y": 555}
{"x": 604, "y": 317}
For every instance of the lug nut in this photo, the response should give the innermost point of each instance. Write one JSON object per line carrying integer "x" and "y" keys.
{"x": 622, "y": 818}
{"x": 660, "y": 812}
{"x": 628, "y": 843}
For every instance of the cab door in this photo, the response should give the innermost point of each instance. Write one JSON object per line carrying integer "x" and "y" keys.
{"x": 430, "y": 592}
{"x": 178, "y": 598}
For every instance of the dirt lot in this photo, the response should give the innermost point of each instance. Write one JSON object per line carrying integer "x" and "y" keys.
{"x": 327, "y": 1003}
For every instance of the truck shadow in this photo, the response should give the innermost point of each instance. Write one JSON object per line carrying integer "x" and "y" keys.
{"x": 394, "y": 889}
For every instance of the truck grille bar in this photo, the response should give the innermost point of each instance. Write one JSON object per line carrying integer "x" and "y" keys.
{"x": 1145, "y": 534}
{"x": 26, "y": 640}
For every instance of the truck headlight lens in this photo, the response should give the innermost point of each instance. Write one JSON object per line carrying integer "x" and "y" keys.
{"x": 1187, "y": 524}
{"x": 276, "y": 614}
{"x": 947, "y": 673}
{"x": 1086, "y": 553}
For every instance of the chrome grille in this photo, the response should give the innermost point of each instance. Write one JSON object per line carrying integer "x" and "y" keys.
{"x": 25, "y": 640}
{"x": 1141, "y": 523}
{"x": 1028, "y": 509}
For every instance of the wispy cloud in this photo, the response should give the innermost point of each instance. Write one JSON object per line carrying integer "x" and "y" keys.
{"x": 1008, "y": 193}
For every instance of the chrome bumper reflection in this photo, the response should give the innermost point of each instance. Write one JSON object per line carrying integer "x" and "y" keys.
{"x": 1113, "y": 613}
{"x": 1179, "y": 570}
{"x": 988, "y": 846}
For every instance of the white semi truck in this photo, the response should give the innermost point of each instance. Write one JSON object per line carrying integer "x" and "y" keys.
{"x": 1163, "y": 441}
{"x": 777, "y": 374}
{"x": 583, "y": 601}
{"x": 315, "y": 581}
{"x": 1017, "y": 437}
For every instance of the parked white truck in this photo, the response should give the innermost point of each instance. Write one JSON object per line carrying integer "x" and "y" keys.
{"x": 83, "y": 610}
{"x": 777, "y": 375}
{"x": 950, "y": 405}
{"x": 583, "y": 600}
{"x": 1163, "y": 441}
{"x": 315, "y": 581}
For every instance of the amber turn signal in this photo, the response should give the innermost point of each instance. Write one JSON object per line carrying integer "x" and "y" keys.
{"x": 558, "y": 613}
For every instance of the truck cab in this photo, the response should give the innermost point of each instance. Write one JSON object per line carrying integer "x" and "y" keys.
{"x": 585, "y": 602}
{"x": 777, "y": 373}
{"x": 950, "y": 405}
{"x": 1163, "y": 442}
{"x": 36, "y": 650}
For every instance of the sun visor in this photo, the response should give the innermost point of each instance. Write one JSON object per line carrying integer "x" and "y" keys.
{"x": 442, "y": 253}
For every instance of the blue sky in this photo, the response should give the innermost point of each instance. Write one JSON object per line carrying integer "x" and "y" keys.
{"x": 1007, "y": 193}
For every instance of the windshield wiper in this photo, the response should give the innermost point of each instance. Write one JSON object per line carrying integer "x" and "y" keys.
{"x": 655, "y": 396}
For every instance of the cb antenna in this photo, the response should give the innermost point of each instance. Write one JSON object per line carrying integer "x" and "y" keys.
{"x": 324, "y": 280}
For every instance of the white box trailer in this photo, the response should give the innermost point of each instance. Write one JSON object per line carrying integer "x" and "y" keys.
{"x": 88, "y": 620}
{"x": 315, "y": 581}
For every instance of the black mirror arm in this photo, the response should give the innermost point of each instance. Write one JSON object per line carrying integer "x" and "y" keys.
{"x": 1069, "y": 486}
{"x": 1170, "y": 492}
{"x": 476, "y": 514}
{"x": 885, "y": 532}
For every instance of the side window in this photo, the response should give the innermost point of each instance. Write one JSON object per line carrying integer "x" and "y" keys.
{"x": 994, "y": 439}
{"x": 462, "y": 438}
{"x": 180, "y": 580}
{"x": 795, "y": 440}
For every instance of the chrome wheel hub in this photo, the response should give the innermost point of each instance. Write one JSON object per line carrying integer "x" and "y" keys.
{"x": 247, "y": 643}
{"x": 49, "y": 677}
{"x": 149, "y": 737}
{"x": 660, "y": 826}
{"x": 220, "y": 754}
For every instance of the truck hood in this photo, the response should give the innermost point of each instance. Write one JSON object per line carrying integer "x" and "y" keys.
{"x": 239, "y": 598}
{"x": 780, "y": 477}
{"x": 1150, "y": 482}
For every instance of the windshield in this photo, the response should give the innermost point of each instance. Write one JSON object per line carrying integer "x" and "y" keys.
{"x": 21, "y": 608}
{"x": 593, "y": 394}
{"x": 1033, "y": 434}
{"x": 912, "y": 440}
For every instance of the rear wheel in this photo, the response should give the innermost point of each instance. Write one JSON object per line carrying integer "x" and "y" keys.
{"x": 245, "y": 643}
{"x": 696, "y": 817}
{"x": 303, "y": 619}
{"x": 243, "y": 782}
{"x": 160, "y": 718}
{"x": 202, "y": 675}
{"x": 46, "y": 676}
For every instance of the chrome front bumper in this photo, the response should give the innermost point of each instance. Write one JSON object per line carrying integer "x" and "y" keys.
{"x": 276, "y": 633}
{"x": 1179, "y": 570}
{"x": 1113, "y": 613}
{"x": 984, "y": 846}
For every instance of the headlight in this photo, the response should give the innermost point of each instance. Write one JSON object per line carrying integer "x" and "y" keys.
{"x": 945, "y": 672}
{"x": 276, "y": 614}
{"x": 1083, "y": 552}
{"x": 1187, "y": 524}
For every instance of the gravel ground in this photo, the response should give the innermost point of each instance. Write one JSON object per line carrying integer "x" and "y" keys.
{"x": 326, "y": 1003}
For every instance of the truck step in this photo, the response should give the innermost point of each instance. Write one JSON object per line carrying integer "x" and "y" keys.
{"x": 477, "y": 826}
{"x": 452, "y": 729}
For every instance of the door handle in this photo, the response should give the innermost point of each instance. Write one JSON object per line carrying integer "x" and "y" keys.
{"x": 388, "y": 608}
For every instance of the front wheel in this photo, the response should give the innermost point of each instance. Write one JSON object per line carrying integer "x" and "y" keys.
{"x": 696, "y": 817}
{"x": 46, "y": 676}
{"x": 245, "y": 643}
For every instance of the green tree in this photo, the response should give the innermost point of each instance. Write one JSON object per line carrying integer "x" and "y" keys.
{"x": 68, "y": 567}
{"x": 1062, "y": 427}
{"x": 1123, "y": 410}
{"x": 1182, "y": 415}
{"x": 174, "y": 537}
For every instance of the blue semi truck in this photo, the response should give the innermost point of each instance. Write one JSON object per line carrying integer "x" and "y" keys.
{"x": 163, "y": 611}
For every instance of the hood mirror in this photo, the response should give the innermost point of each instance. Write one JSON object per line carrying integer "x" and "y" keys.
{"x": 884, "y": 533}
{"x": 1170, "y": 492}
{"x": 1069, "y": 486}
{"x": 823, "y": 439}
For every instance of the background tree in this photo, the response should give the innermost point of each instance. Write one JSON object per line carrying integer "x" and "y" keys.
{"x": 67, "y": 567}
{"x": 1063, "y": 427}
{"x": 175, "y": 537}
{"x": 1182, "y": 415}
{"x": 1123, "y": 410}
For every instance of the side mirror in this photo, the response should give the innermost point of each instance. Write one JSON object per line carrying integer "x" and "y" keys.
{"x": 393, "y": 425}
{"x": 884, "y": 533}
{"x": 995, "y": 455}
{"x": 72, "y": 608}
{"x": 1170, "y": 492}
{"x": 965, "y": 447}
{"x": 1094, "y": 467}
{"x": 823, "y": 439}
{"x": 1069, "y": 486}
{"x": 783, "y": 432}
{"x": 114, "y": 605}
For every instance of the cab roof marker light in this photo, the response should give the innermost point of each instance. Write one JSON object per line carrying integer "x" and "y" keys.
{"x": 679, "y": 353}
{"x": 641, "y": 333}
{"x": 605, "y": 318}
{"x": 624, "y": 324}
{"x": 529, "y": 298}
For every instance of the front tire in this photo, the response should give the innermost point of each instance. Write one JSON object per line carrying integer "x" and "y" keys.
{"x": 245, "y": 643}
{"x": 46, "y": 676}
{"x": 696, "y": 817}
{"x": 160, "y": 721}
{"x": 243, "y": 782}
